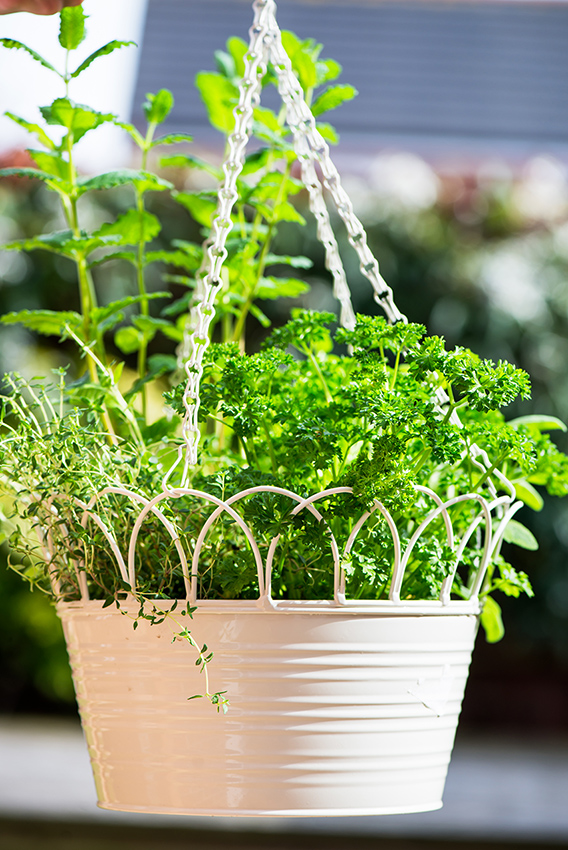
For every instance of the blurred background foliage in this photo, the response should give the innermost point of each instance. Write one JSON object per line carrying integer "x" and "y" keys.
{"x": 480, "y": 257}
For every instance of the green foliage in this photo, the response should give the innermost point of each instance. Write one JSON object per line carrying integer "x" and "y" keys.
{"x": 379, "y": 420}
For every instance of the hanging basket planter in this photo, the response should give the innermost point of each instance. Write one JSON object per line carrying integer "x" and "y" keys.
{"x": 334, "y": 710}
{"x": 338, "y": 704}
{"x": 337, "y": 707}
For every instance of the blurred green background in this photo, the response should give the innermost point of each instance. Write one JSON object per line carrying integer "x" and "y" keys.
{"x": 482, "y": 259}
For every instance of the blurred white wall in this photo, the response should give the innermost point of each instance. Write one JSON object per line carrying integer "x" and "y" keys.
{"x": 108, "y": 85}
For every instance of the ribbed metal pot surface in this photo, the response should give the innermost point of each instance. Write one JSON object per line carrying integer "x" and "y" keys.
{"x": 331, "y": 712}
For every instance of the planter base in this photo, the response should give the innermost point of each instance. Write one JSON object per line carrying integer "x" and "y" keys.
{"x": 333, "y": 711}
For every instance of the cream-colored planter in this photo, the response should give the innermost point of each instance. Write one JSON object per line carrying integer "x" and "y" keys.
{"x": 334, "y": 709}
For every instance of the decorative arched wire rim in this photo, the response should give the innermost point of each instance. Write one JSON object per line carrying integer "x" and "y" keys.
{"x": 126, "y": 561}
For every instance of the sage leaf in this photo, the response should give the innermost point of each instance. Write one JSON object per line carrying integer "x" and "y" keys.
{"x": 528, "y": 495}
{"x": 541, "y": 423}
{"x": 492, "y": 621}
{"x": 520, "y": 535}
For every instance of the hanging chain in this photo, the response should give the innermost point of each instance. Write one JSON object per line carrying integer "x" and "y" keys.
{"x": 310, "y": 144}
{"x": 215, "y": 253}
{"x": 311, "y": 149}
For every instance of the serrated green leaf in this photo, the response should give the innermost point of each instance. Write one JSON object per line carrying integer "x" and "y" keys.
{"x": 12, "y": 44}
{"x": 281, "y": 287}
{"x": 143, "y": 180}
{"x": 32, "y": 128}
{"x": 333, "y": 97}
{"x": 520, "y": 535}
{"x": 492, "y": 621}
{"x": 541, "y": 423}
{"x": 183, "y": 160}
{"x": 172, "y": 139}
{"x": 528, "y": 495}
{"x": 296, "y": 262}
{"x": 62, "y": 242}
{"x": 51, "y": 163}
{"x": 255, "y": 161}
{"x": 305, "y": 67}
{"x": 31, "y": 173}
{"x": 129, "y": 256}
{"x": 75, "y": 117}
{"x": 158, "y": 106}
{"x": 132, "y": 227}
{"x": 181, "y": 305}
{"x": 72, "y": 27}
{"x": 327, "y": 70}
{"x": 102, "y": 51}
{"x": 179, "y": 259}
{"x": 46, "y": 322}
{"x": 102, "y": 315}
{"x": 200, "y": 206}
{"x": 132, "y": 131}
{"x": 286, "y": 212}
{"x": 158, "y": 365}
{"x": 220, "y": 97}
{"x": 268, "y": 119}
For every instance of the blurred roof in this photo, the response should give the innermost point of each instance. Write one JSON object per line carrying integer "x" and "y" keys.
{"x": 437, "y": 77}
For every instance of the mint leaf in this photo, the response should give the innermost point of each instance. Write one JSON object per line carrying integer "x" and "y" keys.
{"x": 102, "y": 51}
{"x": 158, "y": 106}
{"x": 143, "y": 180}
{"x": 76, "y": 118}
{"x": 199, "y": 205}
{"x": 31, "y": 173}
{"x": 131, "y": 228}
{"x": 47, "y": 322}
{"x": 12, "y": 44}
{"x": 220, "y": 97}
{"x": 72, "y": 27}
{"x": 32, "y": 128}
{"x": 333, "y": 97}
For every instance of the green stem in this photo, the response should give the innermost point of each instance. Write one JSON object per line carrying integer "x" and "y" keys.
{"x": 313, "y": 360}
{"x": 140, "y": 265}
{"x": 270, "y": 447}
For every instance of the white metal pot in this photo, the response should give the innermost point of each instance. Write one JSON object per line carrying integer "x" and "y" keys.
{"x": 334, "y": 709}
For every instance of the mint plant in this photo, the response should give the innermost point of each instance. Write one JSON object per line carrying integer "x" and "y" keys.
{"x": 298, "y": 414}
